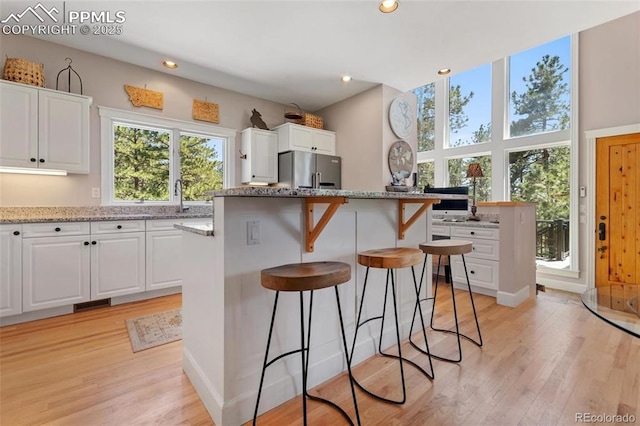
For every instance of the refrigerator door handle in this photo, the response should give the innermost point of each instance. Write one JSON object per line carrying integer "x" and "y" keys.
{"x": 318, "y": 179}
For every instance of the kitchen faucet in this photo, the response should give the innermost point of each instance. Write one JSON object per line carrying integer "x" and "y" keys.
{"x": 178, "y": 184}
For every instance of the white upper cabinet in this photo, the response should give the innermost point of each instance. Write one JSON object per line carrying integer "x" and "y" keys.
{"x": 18, "y": 125}
{"x": 63, "y": 131}
{"x": 294, "y": 137}
{"x": 48, "y": 129}
{"x": 261, "y": 149}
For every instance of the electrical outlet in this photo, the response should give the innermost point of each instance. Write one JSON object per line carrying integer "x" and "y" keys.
{"x": 253, "y": 232}
{"x": 95, "y": 192}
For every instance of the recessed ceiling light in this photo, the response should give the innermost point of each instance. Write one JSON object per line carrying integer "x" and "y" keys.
{"x": 388, "y": 6}
{"x": 170, "y": 64}
{"x": 444, "y": 71}
{"x": 345, "y": 78}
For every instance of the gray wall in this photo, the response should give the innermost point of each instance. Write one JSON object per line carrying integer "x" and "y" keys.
{"x": 365, "y": 137}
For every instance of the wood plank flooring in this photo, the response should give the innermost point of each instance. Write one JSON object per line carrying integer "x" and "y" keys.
{"x": 541, "y": 363}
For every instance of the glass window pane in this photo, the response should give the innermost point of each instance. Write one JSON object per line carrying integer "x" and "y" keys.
{"x": 470, "y": 107}
{"x": 458, "y": 175}
{"x": 542, "y": 176}
{"x": 540, "y": 89}
{"x": 141, "y": 163}
{"x": 426, "y": 98}
{"x": 201, "y": 166}
{"x": 426, "y": 175}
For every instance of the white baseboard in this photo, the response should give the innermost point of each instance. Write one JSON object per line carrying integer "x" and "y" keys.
{"x": 210, "y": 397}
{"x": 128, "y": 298}
{"x": 513, "y": 299}
{"x": 36, "y": 315}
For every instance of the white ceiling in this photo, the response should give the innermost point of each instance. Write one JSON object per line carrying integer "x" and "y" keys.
{"x": 295, "y": 51}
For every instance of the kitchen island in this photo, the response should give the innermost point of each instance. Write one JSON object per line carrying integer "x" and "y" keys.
{"x": 226, "y": 311}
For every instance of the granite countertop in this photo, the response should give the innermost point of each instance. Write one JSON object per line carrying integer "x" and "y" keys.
{"x": 281, "y": 192}
{"x": 13, "y": 215}
{"x": 203, "y": 229}
{"x": 470, "y": 223}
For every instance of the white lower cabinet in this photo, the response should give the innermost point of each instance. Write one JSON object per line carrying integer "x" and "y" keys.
{"x": 164, "y": 252}
{"x": 47, "y": 265}
{"x": 55, "y": 271}
{"x": 117, "y": 264}
{"x": 164, "y": 259}
{"x": 10, "y": 270}
{"x": 483, "y": 263}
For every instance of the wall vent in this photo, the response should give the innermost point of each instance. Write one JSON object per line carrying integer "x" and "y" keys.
{"x": 94, "y": 304}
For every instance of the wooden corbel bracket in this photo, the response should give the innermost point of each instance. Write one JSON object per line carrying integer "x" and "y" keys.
{"x": 402, "y": 225}
{"x": 313, "y": 232}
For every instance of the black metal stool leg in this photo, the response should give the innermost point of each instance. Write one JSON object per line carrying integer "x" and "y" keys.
{"x": 389, "y": 282}
{"x": 475, "y": 315}
{"x": 455, "y": 314}
{"x": 302, "y": 357}
{"x": 266, "y": 356}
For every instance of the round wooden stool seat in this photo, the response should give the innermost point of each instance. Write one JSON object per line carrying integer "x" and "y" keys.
{"x": 447, "y": 247}
{"x": 305, "y": 276}
{"x": 391, "y": 258}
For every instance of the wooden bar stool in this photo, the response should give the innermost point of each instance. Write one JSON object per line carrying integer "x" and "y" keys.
{"x": 390, "y": 259}
{"x": 303, "y": 277}
{"x": 448, "y": 248}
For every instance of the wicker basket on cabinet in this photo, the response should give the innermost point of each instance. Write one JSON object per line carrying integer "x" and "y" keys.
{"x": 22, "y": 71}
{"x": 311, "y": 120}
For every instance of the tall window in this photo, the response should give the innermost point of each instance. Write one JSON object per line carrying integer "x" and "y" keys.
{"x": 426, "y": 115}
{"x": 426, "y": 175}
{"x": 524, "y": 136}
{"x": 540, "y": 89}
{"x": 144, "y": 156}
{"x": 470, "y": 107}
{"x": 457, "y": 168}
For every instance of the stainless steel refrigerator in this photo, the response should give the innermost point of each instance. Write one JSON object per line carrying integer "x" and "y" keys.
{"x": 300, "y": 169}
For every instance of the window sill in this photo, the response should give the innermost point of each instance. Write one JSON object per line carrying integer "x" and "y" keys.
{"x": 557, "y": 272}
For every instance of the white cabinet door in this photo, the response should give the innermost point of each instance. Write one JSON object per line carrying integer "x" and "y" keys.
{"x": 301, "y": 138}
{"x": 55, "y": 271}
{"x": 164, "y": 259}
{"x": 293, "y": 137}
{"x": 10, "y": 270}
{"x": 117, "y": 264}
{"x": 261, "y": 148}
{"x": 63, "y": 132}
{"x": 324, "y": 143}
{"x": 18, "y": 125}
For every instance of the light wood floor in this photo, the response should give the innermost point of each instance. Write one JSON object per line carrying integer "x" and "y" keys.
{"x": 542, "y": 363}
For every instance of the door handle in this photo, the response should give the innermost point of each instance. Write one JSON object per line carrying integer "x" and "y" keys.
{"x": 602, "y": 231}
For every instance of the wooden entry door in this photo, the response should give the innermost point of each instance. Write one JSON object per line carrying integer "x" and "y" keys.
{"x": 618, "y": 211}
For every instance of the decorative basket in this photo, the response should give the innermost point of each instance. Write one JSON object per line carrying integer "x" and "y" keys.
{"x": 23, "y": 71}
{"x": 311, "y": 120}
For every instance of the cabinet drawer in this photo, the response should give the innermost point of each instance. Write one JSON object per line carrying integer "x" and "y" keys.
{"x": 485, "y": 249}
{"x": 116, "y": 226}
{"x": 440, "y": 230}
{"x": 167, "y": 224}
{"x": 54, "y": 229}
{"x": 471, "y": 232}
{"x": 482, "y": 273}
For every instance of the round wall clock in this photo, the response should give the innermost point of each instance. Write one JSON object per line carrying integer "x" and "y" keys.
{"x": 400, "y": 160}
{"x": 401, "y": 118}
